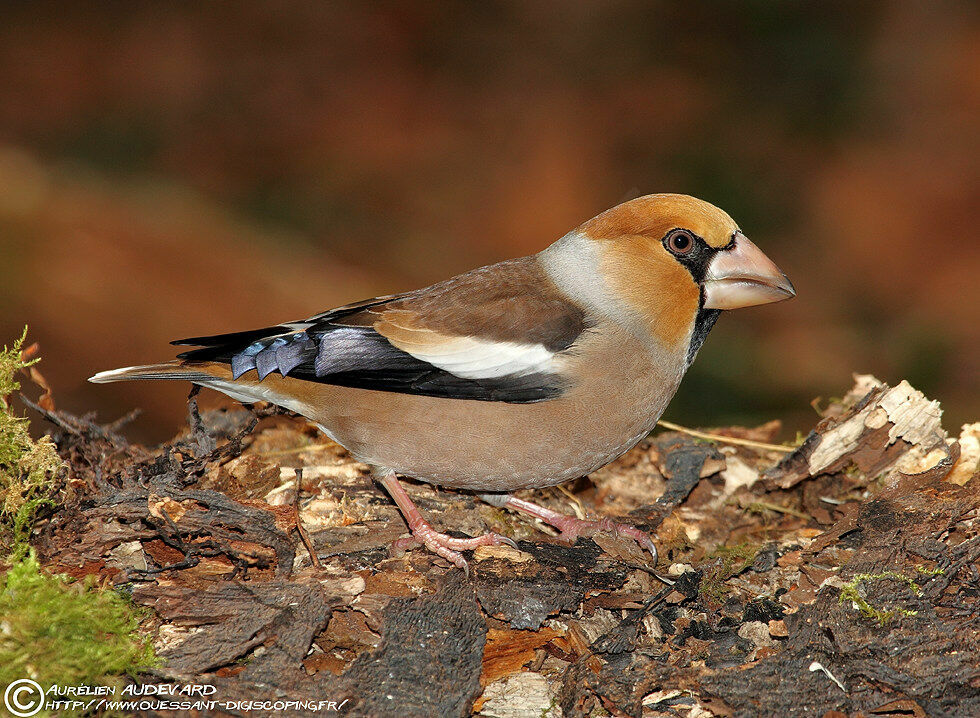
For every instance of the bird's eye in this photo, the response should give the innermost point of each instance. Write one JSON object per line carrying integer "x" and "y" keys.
{"x": 680, "y": 242}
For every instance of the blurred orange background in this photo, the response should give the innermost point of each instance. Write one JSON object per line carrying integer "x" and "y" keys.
{"x": 177, "y": 169}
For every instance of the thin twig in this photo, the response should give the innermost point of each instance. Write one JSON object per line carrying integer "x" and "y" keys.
{"x": 299, "y": 522}
{"x": 75, "y": 425}
{"x": 204, "y": 442}
{"x": 122, "y": 421}
{"x": 756, "y": 505}
{"x": 727, "y": 439}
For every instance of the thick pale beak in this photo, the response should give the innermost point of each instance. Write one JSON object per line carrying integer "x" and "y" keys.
{"x": 742, "y": 276}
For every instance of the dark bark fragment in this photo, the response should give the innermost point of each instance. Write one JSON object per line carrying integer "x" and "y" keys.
{"x": 557, "y": 581}
{"x": 236, "y": 618}
{"x": 429, "y": 660}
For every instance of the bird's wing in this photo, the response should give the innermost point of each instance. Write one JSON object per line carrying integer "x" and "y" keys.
{"x": 497, "y": 333}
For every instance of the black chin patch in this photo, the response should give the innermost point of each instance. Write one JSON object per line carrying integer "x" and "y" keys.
{"x": 703, "y": 323}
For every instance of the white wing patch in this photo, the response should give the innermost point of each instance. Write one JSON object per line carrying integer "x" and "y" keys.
{"x": 471, "y": 358}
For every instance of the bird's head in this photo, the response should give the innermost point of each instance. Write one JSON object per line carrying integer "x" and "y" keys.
{"x": 667, "y": 257}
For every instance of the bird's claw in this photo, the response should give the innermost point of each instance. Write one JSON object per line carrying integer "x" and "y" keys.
{"x": 449, "y": 547}
{"x": 573, "y": 527}
{"x": 509, "y": 542}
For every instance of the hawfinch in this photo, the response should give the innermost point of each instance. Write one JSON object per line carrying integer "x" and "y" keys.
{"x": 519, "y": 375}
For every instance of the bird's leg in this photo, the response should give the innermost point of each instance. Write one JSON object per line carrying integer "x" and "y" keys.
{"x": 571, "y": 528}
{"x": 439, "y": 543}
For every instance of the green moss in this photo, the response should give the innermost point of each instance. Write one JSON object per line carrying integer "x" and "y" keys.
{"x": 736, "y": 558}
{"x": 732, "y": 560}
{"x": 851, "y": 592}
{"x": 508, "y": 523}
{"x": 58, "y": 632}
{"x": 549, "y": 711}
{"x": 27, "y": 467}
{"x": 52, "y": 630}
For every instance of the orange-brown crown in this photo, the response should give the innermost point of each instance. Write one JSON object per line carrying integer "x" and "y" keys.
{"x": 654, "y": 215}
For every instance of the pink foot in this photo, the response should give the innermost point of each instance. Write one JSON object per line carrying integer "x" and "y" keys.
{"x": 422, "y": 532}
{"x": 449, "y": 546}
{"x": 571, "y": 528}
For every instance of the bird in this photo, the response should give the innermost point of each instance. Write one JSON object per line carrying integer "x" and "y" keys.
{"x": 523, "y": 374}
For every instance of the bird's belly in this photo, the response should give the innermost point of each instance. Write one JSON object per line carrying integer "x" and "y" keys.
{"x": 495, "y": 446}
{"x": 501, "y": 453}
{"x": 500, "y": 457}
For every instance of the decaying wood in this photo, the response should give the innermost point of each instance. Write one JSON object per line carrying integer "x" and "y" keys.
{"x": 882, "y": 428}
{"x": 839, "y": 579}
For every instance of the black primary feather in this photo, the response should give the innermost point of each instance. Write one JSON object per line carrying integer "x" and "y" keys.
{"x": 224, "y": 340}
